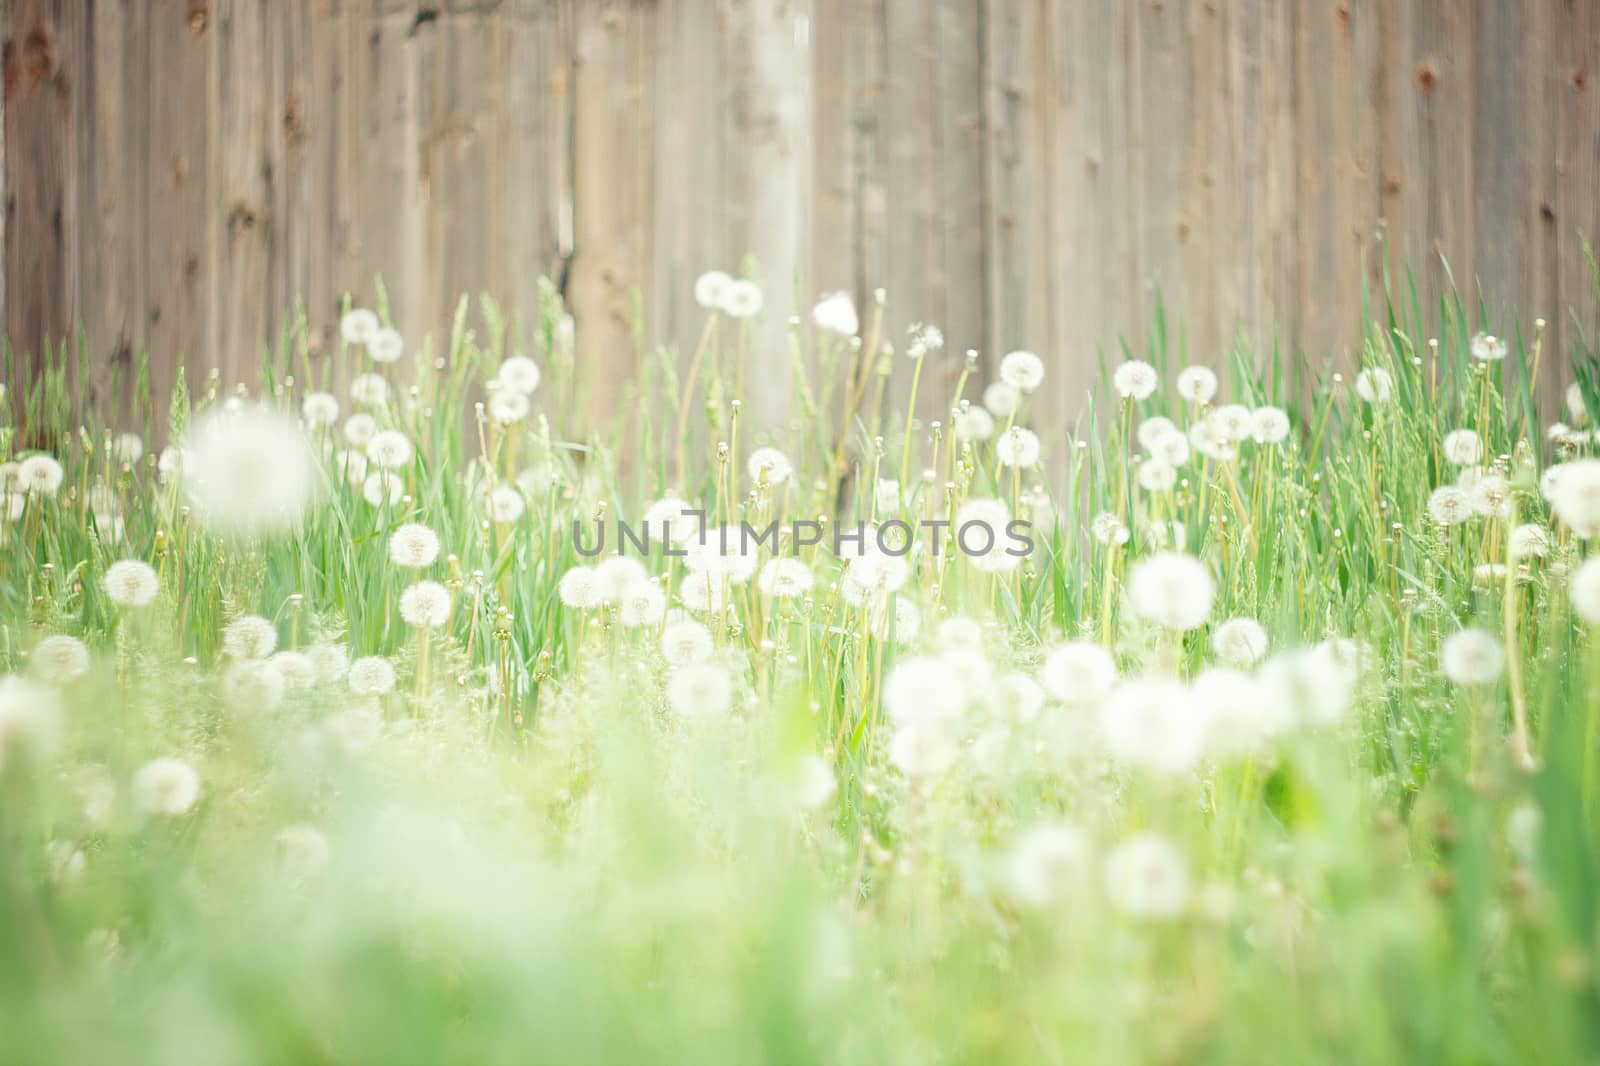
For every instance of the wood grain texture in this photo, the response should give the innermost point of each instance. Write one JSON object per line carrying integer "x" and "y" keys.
{"x": 178, "y": 174}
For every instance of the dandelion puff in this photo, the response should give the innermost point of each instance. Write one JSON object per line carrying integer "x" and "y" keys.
{"x": 320, "y": 408}
{"x": 1208, "y": 440}
{"x": 1001, "y": 400}
{"x": 1529, "y": 541}
{"x": 249, "y": 637}
{"x": 1449, "y": 505}
{"x": 372, "y": 675}
{"x": 581, "y": 589}
{"x": 1487, "y": 348}
{"x": 59, "y": 659}
{"x": 382, "y": 487}
{"x": 252, "y": 473}
{"x": 390, "y": 449}
{"x": 505, "y": 505}
{"x": 1240, "y": 642}
{"x": 699, "y": 690}
{"x": 1152, "y": 429}
{"x": 1048, "y": 862}
{"x": 1172, "y": 590}
{"x": 1109, "y": 530}
{"x": 1079, "y": 673}
{"x": 971, "y": 424}
{"x": 131, "y": 583}
{"x": 1151, "y": 724}
{"x": 710, "y": 289}
{"x": 1269, "y": 425}
{"x": 425, "y": 605}
{"x": 811, "y": 783}
{"x": 742, "y": 299}
{"x": 1241, "y": 715}
{"x": 685, "y": 641}
{"x": 923, "y": 750}
{"x": 1472, "y": 657}
{"x": 167, "y": 787}
{"x": 520, "y": 374}
{"x": 922, "y": 688}
{"x": 923, "y": 338}
{"x": 359, "y": 429}
{"x": 1146, "y": 878}
{"x": 298, "y": 670}
{"x": 369, "y": 390}
{"x": 1018, "y": 447}
{"x": 129, "y": 448}
{"x": 331, "y": 661}
{"x": 704, "y": 592}
{"x": 39, "y": 475}
{"x": 835, "y": 313}
{"x": 1585, "y": 590}
{"x": 413, "y": 546}
{"x": 171, "y": 463}
{"x": 1135, "y": 380}
{"x": 29, "y": 717}
{"x": 1232, "y": 422}
{"x": 1491, "y": 496}
{"x": 907, "y": 619}
{"x": 386, "y": 346}
{"x": 1576, "y": 408}
{"x": 254, "y": 684}
{"x": 886, "y": 495}
{"x": 641, "y": 604}
{"x": 672, "y": 520}
{"x": 1463, "y": 447}
{"x": 1375, "y": 385}
{"x": 302, "y": 851}
{"x": 981, "y": 534}
{"x": 1197, "y": 384}
{"x": 359, "y": 326}
{"x": 508, "y": 407}
{"x": 1576, "y": 497}
{"x": 769, "y": 466}
{"x": 785, "y": 578}
{"x": 617, "y": 574}
{"x": 1317, "y": 685}
{"x": 1156, "y": 476}
{"x": 1022, "y": 370}
{"x": 1170, "y": 449}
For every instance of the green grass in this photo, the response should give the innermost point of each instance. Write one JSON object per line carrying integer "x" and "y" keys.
{"x": 537, "y": 858}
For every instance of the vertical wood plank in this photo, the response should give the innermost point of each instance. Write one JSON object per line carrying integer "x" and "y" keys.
{"x": 1577, "y": 172}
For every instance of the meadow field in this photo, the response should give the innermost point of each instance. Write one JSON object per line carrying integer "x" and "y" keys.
{"x": 325, "y": 739}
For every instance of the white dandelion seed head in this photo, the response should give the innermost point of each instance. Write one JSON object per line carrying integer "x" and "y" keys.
{"x": 1269, "y": 425}
{"x": 971, "y": 424}
{"x": 641, "y": 604}
{"x": 685, "y": 641}
{"x": 386, "y": 346}
{"x": 1079, "y": 673}
{"x": 253, "y": 684}
{"x": 785, "y": 578}
{"x": 390, "y": 449}
{"x": 699, "y": 690}
{"x": 249, "y": 637}
{"x": 1208, "y": 440}
{"x": 1487, "y": 348}
{"x": 508, "y": 407}
{"x": 886, "y": 495}
{"x": 617, "y": 574}
{"x": 1001, "y": 400}
{"x": 372, "y": 675}
{"x": 250, "y": 474}
{"x": 167, "y": 787}
{"x": 382, "y": 487}
{"x": 923, "y": 750}
{"x": 1585, "y": 590}
{"x": 980, "y": 532}
{"x": 710, "y": 288}
{"x": 1241, "y": 715}
{"x": 1146, "y": 878}
{"x": 425, "y": 605}
{"x": 1472, "y": 657}
{"x": 331, "y": 661}
{"x": 1529, "y": 540}
{"x": 1491, "y": 496}
{"x": 1151, "y": 724}
{"x": 1577, "y": 410}
{"x": 9, "y": 481}
{"x": 1197, "y": 384}
{"x": 1463, "y": 447}
{"x": 359, "y": 429}
{"x": 1575, "y": 497}
{"x": 1156, "y": 476}
{"x": 129, "y": 448}
{"x": 1022, "y": 370}
{"x": 303, "y": 851}
{"x": 1314, "y": 685}
{"x": 537, "y": 480}
{"x": 922, "y": 338}
{"x": 1018, "y": 447}
{"x": 836, "y": 313}
{"x": 297, "y": 668}
{"x": 581, "y": 589}
{"x": 40, "y": 475}
{"x": 1449, "y": 505}
{"x": 131, "y": 583}
{"x": 672, "y": 519}
{"x": 413, "y": 546}
{"x": 1109, "y": 530}
{"x": 30, "y": 717}
{"x": 1171, "y": 449}
{"x": 1153, "y": 429}
{"x": 769, "y": 466}
{"x": 519, "y": 374}
{"x": 725, "y": 553}
{"x": 811, "y": 783}
{"x": 1173, "y": 590}
{"x": 320, "y": 408}
{"x": 902, "y": 612}
{"x": 369, "y": 390}
{"x": 359, "y": 325}
{"x": 505, "y": 504}
{"x": 59, "y": 659}
{"x": 1135, "y": 380}
{"x": 1375, "y": 385}
{"x": 1047, "y": 863}
{"x": 1233, "y": 422}
{"x": 742, "y": 299}
{"x": 1240, "y": 642}
{"x": 704, "y": 592}
{"x": 1522, "y": 831}
{"x": 12, "y": 505}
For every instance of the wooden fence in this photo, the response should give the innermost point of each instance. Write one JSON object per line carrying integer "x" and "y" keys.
{"x": 1021, "y": 172}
